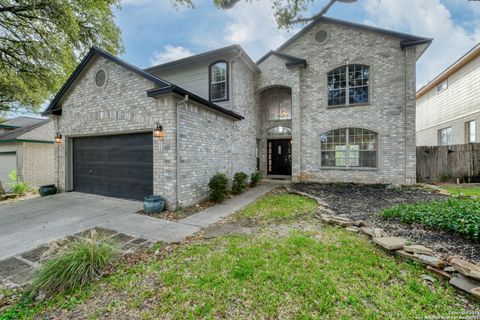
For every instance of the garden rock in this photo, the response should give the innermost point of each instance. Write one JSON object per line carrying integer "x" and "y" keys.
{"x": 360, "y": 223}
{"x": 465, "y": 284}
{"x": 476, "y": 292}
{"x": 374, "y": 232}
{"x": 337, "y": 220}
{"x": 418, "y": 249}
{"x": 466, "y": 268}
{"x": 422, "y": 258}
{"x": 352, "y": 229}
{"x": 390, "y": 243}
{"x": 440, "y": 272}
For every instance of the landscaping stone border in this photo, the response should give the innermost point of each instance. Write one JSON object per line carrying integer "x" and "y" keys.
{"x": 461, "y": 274}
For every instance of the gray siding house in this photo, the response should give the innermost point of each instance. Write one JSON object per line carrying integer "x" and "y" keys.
{"x": 336, "y": 102}
{"x": 448, "y": 108}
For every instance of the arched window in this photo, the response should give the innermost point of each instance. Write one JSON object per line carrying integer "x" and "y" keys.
{"x": 279, "y": 131}
{"x": 279, "y": 106}
{"x": 218, "y": 81}
{"x": 348, "y": 85}
{"x": 349, "y": 147}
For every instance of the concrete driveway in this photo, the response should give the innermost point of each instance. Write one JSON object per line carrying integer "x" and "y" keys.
{"x": 28, "y": 224}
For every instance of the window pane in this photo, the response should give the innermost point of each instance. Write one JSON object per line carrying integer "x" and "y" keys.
{"x": 279, "y": 131}
{"x": 279, "y": 107}
{"x": 472, "y": 130}
{"x": 337, "y": 82}
{"x": 446, "y": 136}
{"x": 218, "y": 81}
{"x": 359, "y": 150}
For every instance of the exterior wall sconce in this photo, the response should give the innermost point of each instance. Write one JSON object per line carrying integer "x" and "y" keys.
{"x": 158, "y": 131}
{"x": 58, "y": 138}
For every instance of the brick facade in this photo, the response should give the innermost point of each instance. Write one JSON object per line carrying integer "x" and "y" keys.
{"x": 200, "y": 142}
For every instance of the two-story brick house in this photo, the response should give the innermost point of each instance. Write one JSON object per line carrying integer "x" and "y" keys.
{"x": 336, "y": 102}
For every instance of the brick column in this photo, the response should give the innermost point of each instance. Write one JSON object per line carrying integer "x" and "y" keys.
{"x": 296, "y": 127}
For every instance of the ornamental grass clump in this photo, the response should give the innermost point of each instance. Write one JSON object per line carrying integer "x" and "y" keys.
{"x": 80, "y": 262}
{"x": 460, "y": 215}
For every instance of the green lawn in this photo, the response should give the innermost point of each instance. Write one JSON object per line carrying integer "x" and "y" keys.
{"x": 468, "y": 190}
{"x": 317, "y": 272}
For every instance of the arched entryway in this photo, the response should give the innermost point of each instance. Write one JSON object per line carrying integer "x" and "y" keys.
{"x": 277, "y": 131}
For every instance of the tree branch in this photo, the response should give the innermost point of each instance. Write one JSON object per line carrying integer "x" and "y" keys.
{"x": 316, "y": 16}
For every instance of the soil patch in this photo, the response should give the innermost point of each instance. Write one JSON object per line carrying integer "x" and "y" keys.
{"x": 182, "y": 212}
{"x": 364, "y": 202}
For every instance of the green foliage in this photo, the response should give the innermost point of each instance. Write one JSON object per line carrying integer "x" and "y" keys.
{"x": 218, "y": 187}
{"x": 256, "y": 178}
{"x": 239, "y": 182}
{"x": 446, "y": 176}
{"x": 18, "y": 186}
{"x": 81, "y": 262}
{"x": 43, "y": 40}
{"x": 460, "y": 215}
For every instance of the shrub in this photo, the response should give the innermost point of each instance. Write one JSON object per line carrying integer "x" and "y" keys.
{"x": 239, "y": 182}
{"x": 218, "y": 187}
{"x": 256, "y": 178}
{"x": 17, "y": 186}
{"x": 460, "y": 215}
{"x": 79, "y": 263}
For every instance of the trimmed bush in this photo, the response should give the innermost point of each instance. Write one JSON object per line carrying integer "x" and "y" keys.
{"x": 256, "y": 178}
{"x": 239, "y": 182}
{"x": 218, "y": 187}
{"x": 78, "y": 264}
{"x": 460, "y": 215}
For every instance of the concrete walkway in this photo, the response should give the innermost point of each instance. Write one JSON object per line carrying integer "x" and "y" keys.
{"x": 28, "y": 224}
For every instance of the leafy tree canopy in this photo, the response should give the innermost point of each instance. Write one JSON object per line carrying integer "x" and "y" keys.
{"x": 286, "y": 12}
{"x": 41, "y": 42}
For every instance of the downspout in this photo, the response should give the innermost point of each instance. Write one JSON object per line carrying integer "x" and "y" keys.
{"x": 405, "y": 115}
{"x": 177, "y": 149}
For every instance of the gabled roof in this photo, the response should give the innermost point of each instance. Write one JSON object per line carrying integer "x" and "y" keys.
{"x": 166, "y": 86}
{"x": 291, "y": 60}
{"x": 406, "y": 40}
{"x": 20, "y": 121}
{"x": 236, "y": 49}
{"x": 454, "y": 67}
{"x": 16, "y": 134}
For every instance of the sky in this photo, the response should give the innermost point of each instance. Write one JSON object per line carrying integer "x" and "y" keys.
{"x": 154, "y": 31}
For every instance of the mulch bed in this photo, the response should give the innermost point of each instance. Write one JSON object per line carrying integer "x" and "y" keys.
{"x": 182, "y": 212}
{"x": 364, "y": 202}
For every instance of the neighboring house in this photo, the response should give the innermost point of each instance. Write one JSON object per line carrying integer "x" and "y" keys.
{"x": 448, "y": 108}
{"x": 336, "y": 102}
{"x": 26, "y": 145}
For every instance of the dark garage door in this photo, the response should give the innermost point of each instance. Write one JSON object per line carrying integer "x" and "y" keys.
{"x": 115, "y": 166}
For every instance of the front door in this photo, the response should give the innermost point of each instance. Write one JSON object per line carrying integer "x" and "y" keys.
{"x": 280, "y": 157}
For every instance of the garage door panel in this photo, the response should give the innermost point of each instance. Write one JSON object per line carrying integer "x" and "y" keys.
{"x": 118, "y": 166}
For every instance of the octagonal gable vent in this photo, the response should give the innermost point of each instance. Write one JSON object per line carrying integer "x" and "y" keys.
{"x": 321, "y": 36}
{"x": 100, "y": 78}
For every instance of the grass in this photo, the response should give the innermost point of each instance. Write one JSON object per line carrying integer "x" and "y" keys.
{"x": 465, "y": 189}
{"x": 460, "y": 215}
{"x": 321, "y": 272}
{"x": 81, "y": 262}
{"x": 286, "y": 207}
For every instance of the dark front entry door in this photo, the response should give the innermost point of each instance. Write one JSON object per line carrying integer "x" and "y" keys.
{"x": 280, "y": 157}
{"x": 115, "y": 166}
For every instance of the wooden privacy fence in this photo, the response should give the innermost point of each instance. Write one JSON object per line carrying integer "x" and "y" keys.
{"x": 449, "y": 163}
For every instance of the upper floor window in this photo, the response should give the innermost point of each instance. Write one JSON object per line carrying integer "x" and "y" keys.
{"x": 348, "y": 85}
{"x": 279, "y": 107}
{"x": 218, "y": 77}
{"x": 471, "y": 131}
{"x": 446, "y": 136}
{"x": 442, "y": 86}
{"x": 349, "y": 147}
